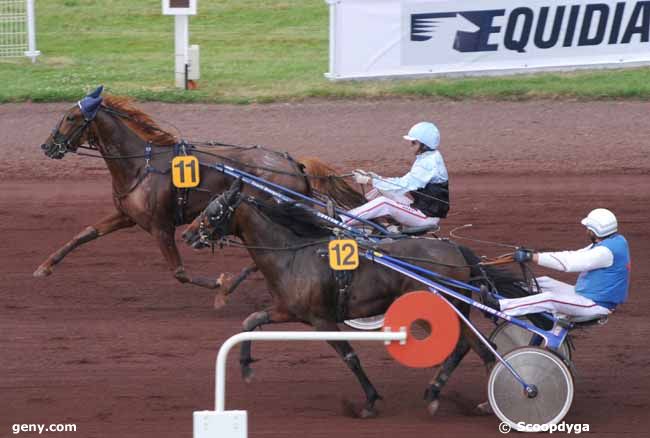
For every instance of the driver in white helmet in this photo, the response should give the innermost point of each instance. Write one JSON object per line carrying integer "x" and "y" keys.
{"x": 416, "y": 200}
{"x": 603, "y": 282}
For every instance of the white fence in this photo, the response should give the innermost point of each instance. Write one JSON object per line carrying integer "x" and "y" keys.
{"x": 375, "y": 38}
{"x": 17, "y": 29}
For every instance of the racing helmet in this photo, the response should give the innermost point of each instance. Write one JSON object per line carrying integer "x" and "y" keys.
{"x": 601, "y": 221}
{"x": 426, "y": 133}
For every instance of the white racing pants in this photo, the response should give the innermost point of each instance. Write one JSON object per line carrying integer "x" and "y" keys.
{"x": 555, "y": 297}
{"x": 397, "y": 206}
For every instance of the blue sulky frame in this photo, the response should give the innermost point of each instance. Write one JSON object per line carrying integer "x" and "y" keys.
{"x": 551, "y": 339}
{"x": 268, "y": 187}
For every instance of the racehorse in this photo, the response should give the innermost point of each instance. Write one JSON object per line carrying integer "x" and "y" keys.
{"x": 287, "y": 244}
{"x": 138, "y": 153}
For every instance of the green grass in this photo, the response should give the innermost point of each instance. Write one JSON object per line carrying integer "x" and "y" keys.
{"x": 251, "y": 51}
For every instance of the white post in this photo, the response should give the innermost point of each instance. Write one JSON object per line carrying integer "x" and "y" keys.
{"x": 181, "y": 41}
{"x": 220, "y": 378}
{"x": 332, "y": 46}
{"x": 31, "y": 32}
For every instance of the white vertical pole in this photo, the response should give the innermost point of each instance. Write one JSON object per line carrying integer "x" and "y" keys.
{"x": 31, "y": 32}
{"x": 181, "y": 41}
{"x": 332, "y": 6}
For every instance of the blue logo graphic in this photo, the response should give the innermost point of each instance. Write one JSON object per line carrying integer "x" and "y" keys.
{"x": 423, "y": 25}
{"x": 546, "y": 27}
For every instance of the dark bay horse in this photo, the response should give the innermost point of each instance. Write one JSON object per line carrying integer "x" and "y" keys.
{"x": 287, "y": 244}
{"x": 143, "y": 193}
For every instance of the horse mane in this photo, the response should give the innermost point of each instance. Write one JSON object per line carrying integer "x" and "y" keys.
{"x": 139, "y": 122}
{"x": 294, "y": 217}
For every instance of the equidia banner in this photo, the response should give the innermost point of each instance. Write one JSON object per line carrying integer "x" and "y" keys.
{"x": 375, "y": 38}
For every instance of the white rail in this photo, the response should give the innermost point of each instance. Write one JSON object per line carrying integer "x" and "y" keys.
{"x": 222, "y": 356}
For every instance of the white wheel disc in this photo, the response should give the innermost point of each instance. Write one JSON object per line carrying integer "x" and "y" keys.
{"x": 551, "y": 378}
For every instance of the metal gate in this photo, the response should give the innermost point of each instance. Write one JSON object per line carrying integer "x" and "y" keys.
{"x": 17, "y": 29}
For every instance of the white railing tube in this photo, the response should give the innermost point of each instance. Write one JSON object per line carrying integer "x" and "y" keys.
{"x": 222, "y": 356}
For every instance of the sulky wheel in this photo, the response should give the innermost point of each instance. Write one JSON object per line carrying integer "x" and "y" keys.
{"x": 553, "y": 388}
{"x": 370, "y": 323}
{"x": 507, "y": 337}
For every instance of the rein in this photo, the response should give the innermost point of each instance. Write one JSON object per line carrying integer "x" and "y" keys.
{"x": 252, "y": 147}
{"x": 215, "y": 143}
{"x": 116, "y": 157}
{"x": 489, "y": 242}
{"x": 225, "y": 212}
{"x": 230, "y": 242}
{"x": 62, "y": 149}
{"x": 269, "y": 169}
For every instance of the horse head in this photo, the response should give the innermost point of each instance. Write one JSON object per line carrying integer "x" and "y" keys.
{"x": 215, "y": 221}
{"x": 71, "y": 131}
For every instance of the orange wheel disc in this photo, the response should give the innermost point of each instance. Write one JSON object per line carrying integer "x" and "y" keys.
{"x": 435, "y": 316}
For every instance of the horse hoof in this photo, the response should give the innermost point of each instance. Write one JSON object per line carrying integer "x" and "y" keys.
{"x": 247, "y": 374}
{"x": 484, "y": 409}
{"x": 42, "y": 271}
{"x": 432, "y": 407}
{"x": 219, "y": 301}
{"x": 368, "y": 413}
{"x": 351, "y": 410}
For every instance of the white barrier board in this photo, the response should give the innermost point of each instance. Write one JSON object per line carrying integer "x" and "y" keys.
{"x": 378, "y": 38}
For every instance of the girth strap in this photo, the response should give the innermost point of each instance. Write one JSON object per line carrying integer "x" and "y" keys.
{"x": 343, "y": 282}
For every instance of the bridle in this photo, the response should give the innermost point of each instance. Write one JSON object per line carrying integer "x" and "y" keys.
{"x": 60, "y": 143}
{"x": 218, "y": 215}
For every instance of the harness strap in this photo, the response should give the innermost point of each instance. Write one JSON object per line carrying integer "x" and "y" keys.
{"x": 147, "y": 155}
{"x": 182, "y": 196}
{"x": 148, "y": 168}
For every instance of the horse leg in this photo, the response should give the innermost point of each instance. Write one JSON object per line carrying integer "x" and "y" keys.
{"x": 255, "y": 320}
{"x": 349, "y": 356}
{"x": 114, "y": 222}
{"x": 234, "y": 284}
{"x": 167, "y": 244}
{"x": 488, "y": 359}
{"x": 468, "y": 340}
{"x": 432, "y": 393}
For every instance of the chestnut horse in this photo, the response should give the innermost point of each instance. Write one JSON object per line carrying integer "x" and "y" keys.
{"x": 138, "y": 154}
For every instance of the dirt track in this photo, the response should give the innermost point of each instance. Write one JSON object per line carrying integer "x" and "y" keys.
{"x": 111, "y": 342}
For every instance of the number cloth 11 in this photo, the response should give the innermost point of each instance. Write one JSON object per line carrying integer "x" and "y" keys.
{"x": 185, "y": 172}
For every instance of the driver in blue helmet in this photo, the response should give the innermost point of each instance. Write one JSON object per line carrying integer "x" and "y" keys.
{"x": 417, "y": 200}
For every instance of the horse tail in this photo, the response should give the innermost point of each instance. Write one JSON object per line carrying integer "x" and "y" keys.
{"x": 507, "y": 283}
{"x": 327, "y": 182}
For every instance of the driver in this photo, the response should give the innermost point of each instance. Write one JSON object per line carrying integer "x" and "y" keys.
{"x": 603, "y": 282}
{"x": 427, "y": 183}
